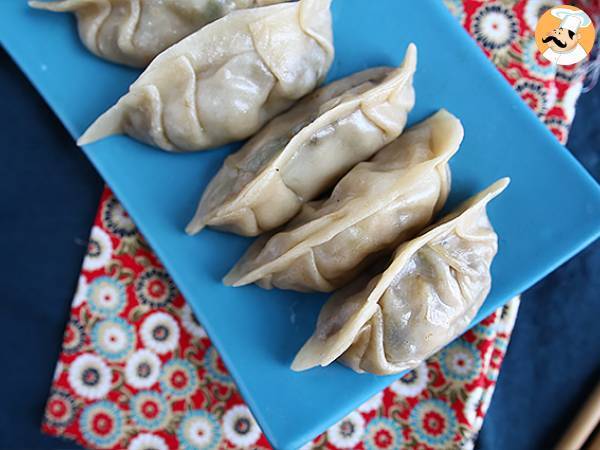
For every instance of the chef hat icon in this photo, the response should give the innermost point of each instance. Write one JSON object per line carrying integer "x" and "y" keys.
{"x": 570, "y": 19}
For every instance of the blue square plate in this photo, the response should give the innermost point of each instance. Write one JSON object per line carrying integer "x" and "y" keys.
{"x": 549, "y": 212}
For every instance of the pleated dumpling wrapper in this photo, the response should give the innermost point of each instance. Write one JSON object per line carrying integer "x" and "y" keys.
{"x": 377, "y": 205}
{"x": 426, "y": 298}
{"x": 305, "y": 151}
{"x": 133, "y": 32}
{"x": 224, "y": 82}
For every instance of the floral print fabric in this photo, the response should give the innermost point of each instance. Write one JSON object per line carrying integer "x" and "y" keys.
{"x": 137, "y": 371}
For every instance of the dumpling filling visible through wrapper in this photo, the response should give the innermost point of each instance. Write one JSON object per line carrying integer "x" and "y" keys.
{"x": 304, "y": 152}
{"x": 426, "y": 298}
{"x": 376, "y": 206}
{"x": 224, "y": 82}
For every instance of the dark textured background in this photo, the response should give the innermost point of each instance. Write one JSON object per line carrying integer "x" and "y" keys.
{"x": 49, "y": 198}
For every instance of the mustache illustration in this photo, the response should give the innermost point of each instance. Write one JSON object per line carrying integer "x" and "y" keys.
{"x": 555, "y": 40}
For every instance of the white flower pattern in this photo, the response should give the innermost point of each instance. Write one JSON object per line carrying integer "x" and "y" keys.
{"x": 494, "y": 26}
{"x": 348, "y": 432}
{"x": 142, "y": 369}
{"x": 534, "y": 10}
{"x": 413, "y": 383}
{"x": 189, "y": 322}
{"x": 570, "y": 99}
{"x": 160, "y": 332}
{"x": 81, "y": 292}
{"x": 198, "y": 430}
{"x": 372, "y": 404}
{"x": 472, "y": 405}
{"x": 100, "y": 250}
{"x": 90, "y": 377}
{"x": 58, "y": 370}
{"x": 239, "y": 426}
{"x": 507, "y": 318}
{"x": 147, "y": 441}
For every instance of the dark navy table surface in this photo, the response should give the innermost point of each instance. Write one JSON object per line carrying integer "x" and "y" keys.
{"x": 49, "y": 197}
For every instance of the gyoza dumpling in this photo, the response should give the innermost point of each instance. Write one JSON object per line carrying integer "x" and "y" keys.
{"x": 427, "y": 297}
{"x": 305, "y": 151}
{"x": 377, "y": 205}
{"x": 224, "y": 82}
{"x": 133, "y": 32}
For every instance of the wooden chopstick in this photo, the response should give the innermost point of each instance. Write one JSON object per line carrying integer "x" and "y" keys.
{"x": 595, "y": 444}
{"x": 583, "y": 425}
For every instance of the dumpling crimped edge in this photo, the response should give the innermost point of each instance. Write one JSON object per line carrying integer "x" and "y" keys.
{"x": 398, "y": 77}
{"x": 111, "y": 121}
{"x": 319, "y": 352}
{"x": 451, "y": 128}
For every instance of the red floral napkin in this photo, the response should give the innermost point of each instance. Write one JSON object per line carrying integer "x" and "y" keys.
{"x": 138, "y": 372}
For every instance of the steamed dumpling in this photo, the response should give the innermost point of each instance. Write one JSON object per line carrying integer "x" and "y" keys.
{"x": 377, "y": 205}
{"x": 305, "y": 151}
{"x": 224, "y": 82}
{"x": 133, "y": 32}
{"x": 427, "y": 297}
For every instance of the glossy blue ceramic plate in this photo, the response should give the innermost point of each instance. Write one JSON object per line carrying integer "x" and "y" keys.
{"x": 549, "y": 212}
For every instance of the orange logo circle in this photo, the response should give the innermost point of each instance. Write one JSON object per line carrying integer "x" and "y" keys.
{"x": 565, "y": 35}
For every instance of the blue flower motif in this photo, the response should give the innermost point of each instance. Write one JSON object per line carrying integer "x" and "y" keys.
{"x": 102, "y": 424}
{"x": 502, "y": 344}
{"x": 198, "y": 430}
{"x": 434, "y": 422}
{"x": 113, "y": 338}
{"x": 492, "y": 374}
{"x": 530, "y": 59}
{"x": 178, "y": 378}
{"x": 487, "y": 331}
{"x": 460, "y": 361}
{"x": 154, "y": 417}
{"x": 212, "y": 367}
{"x": 382, "y": 433}
{"x": 106, "y": 297}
